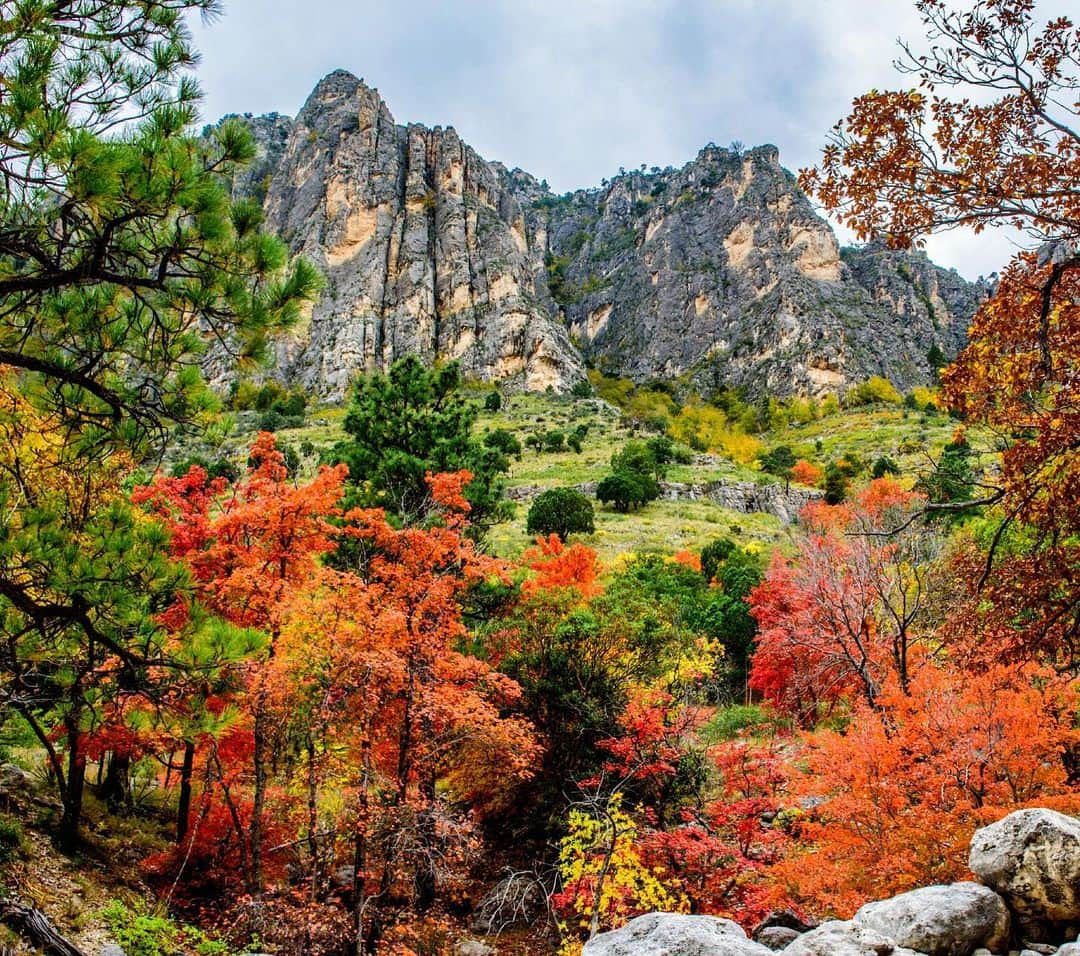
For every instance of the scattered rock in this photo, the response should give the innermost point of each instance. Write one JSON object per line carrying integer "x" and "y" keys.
{"x": 845, "y": 938}
{"x": 112, "y": 949}
{"x": 941, "y": 920}
{"x": 674, "y": 934}
{"x": 776, "y": 937}
{"x": 14, "y": 779}
{"x": 342, "y": 877}
{"x": 1032, "y": 858}
{"x": 472, "y": 947}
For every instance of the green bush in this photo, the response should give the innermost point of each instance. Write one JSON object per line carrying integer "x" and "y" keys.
{"x": 626, "y": 489}
{"x": 836, "y": 484}
{"x": 561, "y": 511}
{"x": 885, "y": 466}
{"x": 142, "y": 934}
{"x": 11, "y": 839}
{"x": 216, "y": 468}
{"x": 553, "y": 440}
{"x": 731, "y": 721}
{"x": 493, "y": 402}
{"x": 713, "y": 556}
{"x": 503, "y": 440}
{"x": 638, "y": 458}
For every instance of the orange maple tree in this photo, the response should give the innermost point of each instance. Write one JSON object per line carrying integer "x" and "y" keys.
{"x": 897, "y": 795}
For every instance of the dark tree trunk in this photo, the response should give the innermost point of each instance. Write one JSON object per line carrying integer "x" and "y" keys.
{"x": 183, "y": 806}
{"x": 116, "y": 790}
{"x": 68, "y": 836}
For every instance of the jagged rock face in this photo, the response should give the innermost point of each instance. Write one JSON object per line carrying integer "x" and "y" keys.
{"x": 723, "y": 270}
{"x": 422, "y": 244}
{"x": 720, "y": 271}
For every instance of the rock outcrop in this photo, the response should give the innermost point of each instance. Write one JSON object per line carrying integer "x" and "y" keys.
{"x": 746, "y": 497}
{"x": 673, "y": 934}
{"x": 1028, "y": 904}
{"x": 421, "y": 241}
{"x": 1032, "y": 858}
{"x": 720, "y": 271}
{"x": 941, "y": 920}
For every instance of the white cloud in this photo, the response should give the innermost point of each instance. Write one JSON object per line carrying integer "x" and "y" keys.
{"x": 573, "y": 89}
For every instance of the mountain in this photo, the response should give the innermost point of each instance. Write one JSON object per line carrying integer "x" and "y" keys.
{"x": 719, "y": 272}
{"x": 722, "y": 270}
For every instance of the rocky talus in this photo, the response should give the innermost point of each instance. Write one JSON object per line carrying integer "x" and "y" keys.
{"x": 1026, "y": 903}
{"x": 719, "y": 273}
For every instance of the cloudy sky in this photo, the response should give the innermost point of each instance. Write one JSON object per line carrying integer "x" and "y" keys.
{"x": 573, "y": 89}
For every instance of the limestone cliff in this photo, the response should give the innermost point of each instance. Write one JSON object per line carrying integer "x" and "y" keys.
{"x": 422, "y": 244}
{"x": 722, "y": 270}
{"x": 719, "y": 272}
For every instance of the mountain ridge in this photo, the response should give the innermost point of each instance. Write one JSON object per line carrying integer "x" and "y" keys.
{"x": 719, "y": 273}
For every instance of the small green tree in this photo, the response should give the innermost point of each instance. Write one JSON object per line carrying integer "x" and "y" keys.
{"x": 554, "y": 440}
{"x": 505, "y": 441}
{"x": 638, "y": 458}
{"x": 408, "y": 423}
{"x": 626, "y": 489}
{"x": 778, "y": 461}
{"x": 836, "y": 483}
{"x": 953, "y": 478}
{"x": 561, "y": 511}
{"x": 493, "y": 402}
{"x": 884, "y": 466}
{"x": 713, "y": 556}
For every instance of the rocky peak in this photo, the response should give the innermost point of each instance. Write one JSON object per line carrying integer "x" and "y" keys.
{"x": 422, "y": 243}
{"x": 723, "y": 272}
{"x": 719, "y": 272}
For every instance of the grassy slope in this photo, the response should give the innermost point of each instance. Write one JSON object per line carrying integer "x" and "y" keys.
{"x": 911, "y": 439}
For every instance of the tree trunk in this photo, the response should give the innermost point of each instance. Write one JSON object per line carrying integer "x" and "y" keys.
{"x": 313, "y": 817}
{"x": 116, "y": 789}
{"x": 72, "y": 793}
{"x": 258, "y": 802}
{"x": 183, "y": 806}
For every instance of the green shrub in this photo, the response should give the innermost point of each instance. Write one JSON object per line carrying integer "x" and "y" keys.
{"x": 493, "y": 401}
{"x": 142, "y": 934}
{"x": 503, "y": 440}
{"x": 731, "y": 721}
{"x": 638, "y": 458}
{"x": 216, "y": 468}
{"x": 11, "y": 839}
{"x": 626, "y": 489}
{"x": 553, "y": 440}
{"x": 885, "y": 466}
{"x": 836, "y": 484}
{"x": 561, "y": 511}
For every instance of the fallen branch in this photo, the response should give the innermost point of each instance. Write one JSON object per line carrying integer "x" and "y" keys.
{"x": 36, "y": 927}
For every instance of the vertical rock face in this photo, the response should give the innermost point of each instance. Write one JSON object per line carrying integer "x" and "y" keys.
{"x": 719, "y": 272}
{"x": 722, "y": 270}
{"x": 422, "y": 245}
